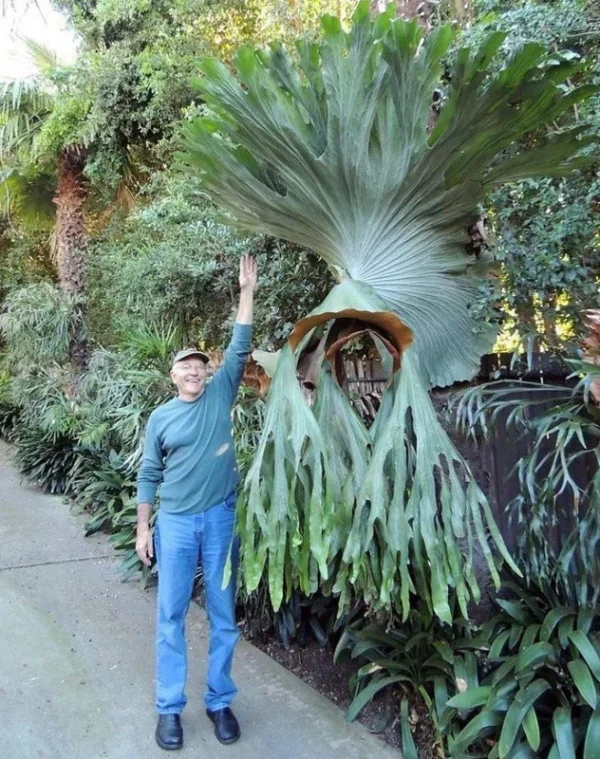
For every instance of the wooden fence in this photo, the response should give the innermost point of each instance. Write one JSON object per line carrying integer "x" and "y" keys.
{"x": 494, "y": 460}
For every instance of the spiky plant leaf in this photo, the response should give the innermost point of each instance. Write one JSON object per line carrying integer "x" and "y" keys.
{"x": 335, "y": 153}
{"x": 24, "y": 106}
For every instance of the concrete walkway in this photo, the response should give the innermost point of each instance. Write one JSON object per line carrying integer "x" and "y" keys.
{"x": 77, "y": 657}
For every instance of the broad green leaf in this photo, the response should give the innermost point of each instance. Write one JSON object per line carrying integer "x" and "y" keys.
{"x": 445, "y": 651}
{"x": 529, "y": 636}
{"x": 498, "y": 644}
{"x": 367, "y": 693}
{"x": 515, "y": 610}
{"x": 565, "y": 626}
{"x": 585, "y": 617}
{"x": 552, "y": 619}
{"x": 409, "y": 750}
{"x": 583, "y": 681}
{"x": 473, "y": 730}
{"x": 471, "y": 698}
{"x": 524, "y": 700}
{"x": 531, "y": 728}
{"x": 534, "y": 655}
{"x": 588, "y": 652}
{"x": 592, "y": 738}
{"x": 504, "y": 670}
{"x": 562, "y": 729}
{"x": 440, "y": 690}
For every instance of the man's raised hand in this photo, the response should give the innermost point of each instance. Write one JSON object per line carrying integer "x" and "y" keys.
{"x": 247, "y": 273}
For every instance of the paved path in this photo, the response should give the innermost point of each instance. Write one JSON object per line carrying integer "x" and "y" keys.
{"x": 76, "y": 657}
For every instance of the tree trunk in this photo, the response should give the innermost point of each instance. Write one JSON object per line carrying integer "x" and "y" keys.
{"x": 527, "y": 326}
{"x": 71, "y": 193}
{"x": 550, "y": 331}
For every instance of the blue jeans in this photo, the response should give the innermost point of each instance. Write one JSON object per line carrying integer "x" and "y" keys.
{"x": 181, "y": 540}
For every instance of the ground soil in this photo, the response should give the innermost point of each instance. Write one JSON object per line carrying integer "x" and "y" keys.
{"x": 381, "y": 716}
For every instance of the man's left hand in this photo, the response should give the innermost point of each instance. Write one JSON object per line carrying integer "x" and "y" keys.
{"x": 248, "y": 273}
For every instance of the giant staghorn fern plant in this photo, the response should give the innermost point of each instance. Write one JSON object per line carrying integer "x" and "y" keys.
{"x": 333, "y": 148}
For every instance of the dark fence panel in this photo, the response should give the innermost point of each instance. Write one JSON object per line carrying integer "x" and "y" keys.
{"x": 500, "y": 453}
{"x": 494, "y": 459}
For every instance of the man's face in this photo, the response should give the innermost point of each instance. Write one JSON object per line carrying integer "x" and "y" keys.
{"x": 189, "y": 376}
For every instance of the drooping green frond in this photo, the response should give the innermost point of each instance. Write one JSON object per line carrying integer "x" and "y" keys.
{"x": 45, "y": 59}
{"x": 24, "y": 105}
{"x": 383, "y": 514}
{"x": 336, "y": 152}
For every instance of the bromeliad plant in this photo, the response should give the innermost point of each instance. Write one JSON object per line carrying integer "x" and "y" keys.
{"x": 338, "y": 148}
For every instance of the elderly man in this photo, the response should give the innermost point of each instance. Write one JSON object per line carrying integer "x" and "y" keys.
{"x": 189, "y": 452}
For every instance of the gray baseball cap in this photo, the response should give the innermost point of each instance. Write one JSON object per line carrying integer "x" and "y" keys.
{"x": 188, "y": 352}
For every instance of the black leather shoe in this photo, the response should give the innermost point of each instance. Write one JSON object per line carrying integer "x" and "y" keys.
{"x": 227, "y": 728}
{"x": 169, "y": 733}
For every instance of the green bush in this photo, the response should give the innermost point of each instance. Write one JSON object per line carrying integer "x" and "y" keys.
{"x": 10, "y": 412}
{"x": 45, "y": 458}
{"x": 174, "y": 260}
{"x": 539, "y": 695}
{"x": 37, "y": 323}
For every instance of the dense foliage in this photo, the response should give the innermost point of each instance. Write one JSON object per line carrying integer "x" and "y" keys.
{"x": 160, "y": 264}
{"x": 546, "y": 232}
{"x": 172, "y": 260}
{"x": 526, "y": 682}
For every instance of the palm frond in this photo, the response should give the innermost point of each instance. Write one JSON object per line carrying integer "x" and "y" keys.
{"x": 29, "y": 94}
{"x": 45, "y": 59}
{"x": 24, "y": 106}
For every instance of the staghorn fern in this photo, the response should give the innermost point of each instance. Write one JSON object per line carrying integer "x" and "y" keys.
{"x": 332, "y": 149}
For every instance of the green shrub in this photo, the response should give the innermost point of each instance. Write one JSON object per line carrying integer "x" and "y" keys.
{"x": 10, "y": 412}
{"x": 37, "y": 323}
{"x": 422, "y": 656}
{"x": 541, "y": 686}
{"x": 45, "y": 458}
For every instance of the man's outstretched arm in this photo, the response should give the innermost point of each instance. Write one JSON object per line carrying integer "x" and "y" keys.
{"x": 247, "y": 288}
{"x": 230, "y": 374}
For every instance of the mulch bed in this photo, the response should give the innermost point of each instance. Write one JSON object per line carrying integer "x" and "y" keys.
{"x": 381, "y": 716}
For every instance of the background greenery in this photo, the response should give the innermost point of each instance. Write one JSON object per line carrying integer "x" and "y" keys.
{"x": 161, "y": 271}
